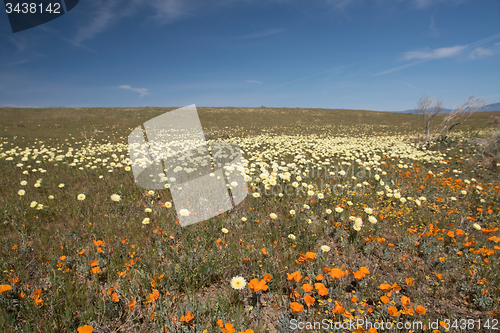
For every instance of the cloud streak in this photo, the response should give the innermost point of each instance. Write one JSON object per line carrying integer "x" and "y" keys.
{"x": 443, "y": 52}
{"x": 141, "y": 91}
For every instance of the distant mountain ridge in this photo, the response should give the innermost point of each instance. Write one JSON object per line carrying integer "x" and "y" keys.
{"x": 489, "y": 107}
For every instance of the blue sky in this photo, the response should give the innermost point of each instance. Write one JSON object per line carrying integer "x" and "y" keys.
{"x": 353, "y": 54}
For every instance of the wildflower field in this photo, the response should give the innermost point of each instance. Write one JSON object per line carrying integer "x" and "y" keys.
{"x": 348, "y": 217}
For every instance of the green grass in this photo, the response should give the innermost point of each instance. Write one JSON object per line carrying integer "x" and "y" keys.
{"x": 52, "y": 249}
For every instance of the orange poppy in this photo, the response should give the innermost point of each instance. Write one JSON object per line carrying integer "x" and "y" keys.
{"x": 405, "y": 301}
{"x": 310, "y": 256}
{"x": 322, "y": 291}
{"x": 420, "y": 309}
{"x": 307, "y": 288}
{"x": 410, "y": 282}
{"x": 338, "y": 308}
{"x": 393, "y": 311}
{"x": 296, "y": 307}
{"x": 93, "y": 263}
{"x": 4, "y": 288}
{"x": 385, "y": 299}
{"x": 229, "y": 328}
{"x": 257, "y": 285}
{"x": 131, "y": 304}
{"x": 85, "y": 329}
{"x": 320, "y": 277}
{"x": 267, "y": 277}
{"x": 309, "y": 300}
{"x": 114, "y": 297}
{"x": 186, "y": 319}
{"x": 96, "y": 270}
{"x": 264, "y": 251}
{"x": 336, "y": 273}
{"x": 295, "y": 276}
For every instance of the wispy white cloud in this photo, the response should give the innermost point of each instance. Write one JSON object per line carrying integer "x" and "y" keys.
{"x": 141, "y": 91}
{"x": 106, "y": 13}
{"x": 480, "y": 52}
{"x": 420, "y": 4}
{"x": 260, "y": 34}
{"x": 253, "y": 81}
{"x": 443, "y": 52}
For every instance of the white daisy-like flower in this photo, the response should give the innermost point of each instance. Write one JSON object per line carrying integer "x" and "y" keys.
{"x": 238, "y": 282}
{"x": 33, "y": 204}
{"x": 477, "y": 226}
{"x": 81, "y": 196}
{"x": 51, "y": 197}
{"x": 321, "y": 195}
{"x": 151, "y": 192}
{"x": 244, "y": 219}
{"x": 61, "y": 185}
{"x": 145, "y": 220}
{"x": 328, "y": 211}
{"x": 357, "y": 227}
{"x": 148, "y": 210}
{"x": 39, "y": 206}
{"x": 339, "y": 209}
{"x": 325, "y": 248}
{"x": 24, "y": 183}
{"x": 168, "y": 204}
{"x": 184, "y": 212}
{"x": 291, "y": 236}
{"x": 310, "y": 193}
{"x": 368, "y": 210}
{"x": 224, "y": 230}
{"x": 115, "y": 197}
{"x": 372, "y": 219}
{"x": 292, "y": 212}
{"x": 273, "y": 216}
{"x": 256, "y": 194}
{"x": 21, "y": 192}
{"x": 350, "y": 203}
